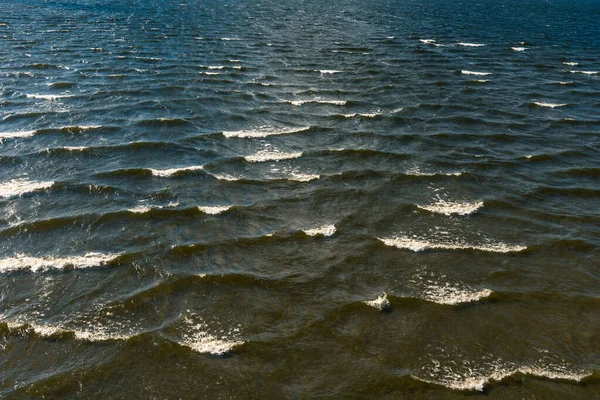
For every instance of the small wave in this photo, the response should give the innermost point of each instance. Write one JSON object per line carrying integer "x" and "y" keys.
{"x": 427, "y": 41}
{"x": 519, "y": 48}
{"x": 18, "y": 187}
{"x": 271, "y": 155}
{"x": 173, "y": 171}
{"x": 571, "y": 64}
{"x": 210, "y": 73}
{"x": 226, "y": 177}
{"x": 142, "y": 209}
{"x": 381, "y": 302}
{"x": 465, "y": 72}
{"x": 586, "y": 72}
{"x": 198, "y": 338}
{"x": 164, "y": 121}
{"x": 302, "y": 177}
{"x": 404, "y": 242}
{"x": 49, "y": 97}
{"x": 418, "y": 172}
{"x": 477, "y": 379}
{"x": 325, "y": 230}
{"x": 230, "y": 39}
{"x": 23, "y": 262}
{"x": 549, "y": 105}
{"x": 214, "y": 210}
{"x": 95, "y": 334}
{"x": 332, "y": 102}
{"x": 329, "y": 71}
{"x": 14, "y": 135}
{"x": 263, "y": 131}
{"x": 470, "y": 44}
{"x": 364, "y": 115}
{"x": 439, "y": 290}
{"x": 448, "y": 208}
{"x": 79, "y": 128}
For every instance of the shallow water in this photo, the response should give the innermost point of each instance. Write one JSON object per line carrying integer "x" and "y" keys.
{"x": 299, "y": 199}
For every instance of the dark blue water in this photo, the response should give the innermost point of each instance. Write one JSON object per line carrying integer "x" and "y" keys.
{"x": 299, "y": 199}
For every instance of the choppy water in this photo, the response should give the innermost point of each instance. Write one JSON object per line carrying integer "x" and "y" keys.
{"x": 300, "y": 199}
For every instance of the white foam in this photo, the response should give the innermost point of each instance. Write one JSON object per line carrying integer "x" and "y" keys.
{"x": 226, "y": 177}
{"x": 49, "y": 97}
{"x": 302, "y": 177}
{"x": 333, "y": 102}
{"x": 381, "y": 302}
{"x": 18, "y": 187}
{"x": 23, "y": 262}
{"x": 213, "y": 210}
{"x": 448, "y": 207}
{"x": 465, "y": 72}
{"x": 98, "y": 334}
{"x": 519, "y": 48}
{"x": 215, "y": 66}
{"x": 173, "y": 171}
{"x": 140, "y": 209}
{"x": 477, "y": 378}
{"x": 440, "y": 291}
{"x": 263, "y": 131}
{"x": 571, "y": 64}
{"x": 470, "y": 44}
{"x": 481, "y": 80}
{"x": 416, "y": 244}
{"x": 427, "y": 41}
{"x": 364, "y": 115}
{"x": 198, "y": 338}
{"x": 549, "y": 105}
{"x": 417, "y": 172}
{"x": 586, "y": 72}
{"x": 329, "y": 71}
{"x": 565, "y": 83}
{"x": 211, "y": 73}
{"x": 14, "y": 135}
{"x": 230, "y": 38}
{"x": 80, "y": 127}
{"x": 272, "y": 155}
{"x": 325, "y": 230}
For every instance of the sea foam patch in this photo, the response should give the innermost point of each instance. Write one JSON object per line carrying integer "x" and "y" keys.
{"x": 34, "y": 264}
{"x": 444, "y": 207}
{"x": 172, "y": 171}
{"x": 199, "y": 337}
{"x": 18, "y": 187}
{"x": 264, "y": 131}
{"x": 421, "y": 244}
{"x": 325, "y": 230}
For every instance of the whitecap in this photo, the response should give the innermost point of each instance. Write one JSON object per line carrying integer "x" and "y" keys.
{"x": 50, "y": 97}
{"x": 325, "y": 230}
{"x": 271, "y": 155}
{"x": 14, "y": 135}
{"x": 549, "y": 105}
{"x": 329, "y": 71}
{"x": 478, "y": 377}
{"x": 470, "y": 44}
{"x": 439, "y": 290}
{"x": 214, "y": 210}
{"x": 230, "y": 38}
{"x": 571, "y": 64}
{"x": 381, "y": 302}
{"x": 364, "y": 115}
{"x": 586, "y": 72}
{"x": 211, "y": 73}
{"x": 448, "y": 207}
{"x": 332, "y": 102}
{"x": 303, "y": 177}
{"x": 226, "y": 177}
{"x": 519, "y": 48}
{"x": 416, "y": 244}
{"x": 264, "y": 131}
{"x": 18, "y": 187}
{"x": 23, "y": 262}
{"x": 198, "y": 338}
{"x": 427, "y": 41}
{"x": 94, "y": 334}
{"x": 141, "y": 209}
{"x": 173, "y": 171}
{"x": 465, "y": 72}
